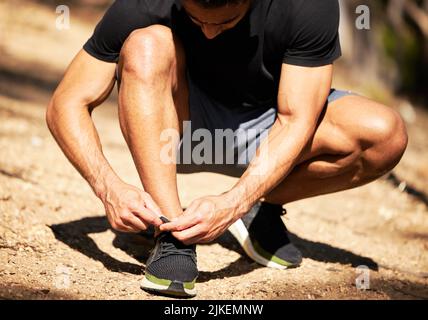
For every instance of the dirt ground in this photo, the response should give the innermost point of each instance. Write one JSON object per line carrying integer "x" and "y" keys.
{"x": 55, "y": 242}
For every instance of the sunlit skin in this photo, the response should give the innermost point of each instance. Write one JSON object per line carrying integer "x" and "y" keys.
{"x": 214, "y": 21}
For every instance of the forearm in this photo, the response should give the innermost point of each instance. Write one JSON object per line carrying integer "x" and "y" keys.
{"x": 275, "y": 158}
{"x": 74, "y": 131}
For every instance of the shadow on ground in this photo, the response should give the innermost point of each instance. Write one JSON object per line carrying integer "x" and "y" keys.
{"x": 410, "y": 190}
{"x": 400, "y": 289}
{"x": 75, "y": 234}
{"x": 326, "y": 253}
{"x": 23, "y": 292}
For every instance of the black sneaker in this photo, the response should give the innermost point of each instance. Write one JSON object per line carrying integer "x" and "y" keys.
{"x": 264, "y": 237}
{"x": 171, "y": 268}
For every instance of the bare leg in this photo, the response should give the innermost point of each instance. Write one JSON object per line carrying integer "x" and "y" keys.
{"x": 357, "y": 141}
{"x": 153, "y": 97}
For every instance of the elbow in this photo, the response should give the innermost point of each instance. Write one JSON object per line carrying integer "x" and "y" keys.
{"x": 51, "y": 114}
{"x": 63, "y": 107}
{"x": 55, "y": 111}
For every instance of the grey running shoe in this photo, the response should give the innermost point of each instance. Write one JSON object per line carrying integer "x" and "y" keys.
{"x": 171, "y": 268}
{"x": 264, "y": 237}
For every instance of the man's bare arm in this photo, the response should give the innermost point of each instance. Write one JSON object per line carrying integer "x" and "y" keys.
{"x": 86, "y": 84}
{"x": 302, "y": 96}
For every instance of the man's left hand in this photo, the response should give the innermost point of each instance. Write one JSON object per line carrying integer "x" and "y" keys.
{"x": 203, "y": 221}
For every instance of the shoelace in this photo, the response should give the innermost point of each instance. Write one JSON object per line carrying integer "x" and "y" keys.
{"x": 168, "y": 247}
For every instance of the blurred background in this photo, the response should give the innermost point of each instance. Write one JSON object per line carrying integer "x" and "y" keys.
{"x": 392, "y": 55}
{"x": 383, "y": 225}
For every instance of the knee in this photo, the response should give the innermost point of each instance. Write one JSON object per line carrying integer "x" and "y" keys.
{"x": 389, "y": 142}
{"x": 392, "y": 136}
{"x": 148, "y": 53}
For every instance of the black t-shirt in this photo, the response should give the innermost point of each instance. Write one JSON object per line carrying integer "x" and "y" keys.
{"x": 240, "y": 67}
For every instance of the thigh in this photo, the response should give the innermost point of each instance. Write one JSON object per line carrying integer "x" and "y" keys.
{"x": 348, "y": 124}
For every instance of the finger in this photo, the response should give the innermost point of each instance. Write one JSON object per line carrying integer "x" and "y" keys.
{"x": 191, "y": 235}
{"x": 148, "y": 216}
{"x": 122, "y": 227}
{"x": 134, "y": 222}
{"x": 183, "y": 222}
{"x": 186, "y": 220}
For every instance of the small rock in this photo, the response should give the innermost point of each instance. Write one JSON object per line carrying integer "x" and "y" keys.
{"x": 333, "y": 269}
{"x": 36, "y": 141}
{"x": 386, "y": 213}
{"x": 402, "y": 187}
{"x": 407, "y": 111}
{"x": 6, "y": 198}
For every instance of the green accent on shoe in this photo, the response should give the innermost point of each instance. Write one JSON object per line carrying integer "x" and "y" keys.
{"x": 270, "y": 256}
{"x": 167, "y": 283}
{"x": 189, "y": 285}
{"x": 161, "y": 282}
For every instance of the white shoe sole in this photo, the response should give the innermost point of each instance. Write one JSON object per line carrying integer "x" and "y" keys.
{"x": 240, "y": 232}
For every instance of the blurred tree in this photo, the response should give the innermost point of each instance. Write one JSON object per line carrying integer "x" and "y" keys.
{"x": 394, "y": 50}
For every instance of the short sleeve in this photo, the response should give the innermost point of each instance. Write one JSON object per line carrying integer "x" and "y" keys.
{"x": 123, "y": 17}
{"x": 314, "y": 34}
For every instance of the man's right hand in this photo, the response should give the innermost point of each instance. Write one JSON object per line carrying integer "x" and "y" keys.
{"x": 130, "y": 209}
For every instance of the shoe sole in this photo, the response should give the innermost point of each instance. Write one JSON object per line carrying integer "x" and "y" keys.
{"x": 167, "y": 287}
{"x": 240, "y": 232}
